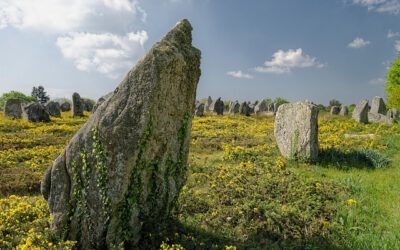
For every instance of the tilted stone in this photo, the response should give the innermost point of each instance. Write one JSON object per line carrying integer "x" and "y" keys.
{"x": 36, "y": 112}
{"x": 296, "y": 130}
{"x": 118, "y": 179}
{"x": 344, "y": 110}
{"x": 65, "y": 106}
{"x": 234, "y": 108}
{"x": 54, "y": 108}
{"x": 199, "y": 111}
{"x": 244, "y": 109}
{"x": 360, "y": 113}
{"x": 378, "y": 106}
{"x": 77, "y": 105}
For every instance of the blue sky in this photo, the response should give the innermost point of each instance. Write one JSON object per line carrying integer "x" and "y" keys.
{"x": 251, "y": 49}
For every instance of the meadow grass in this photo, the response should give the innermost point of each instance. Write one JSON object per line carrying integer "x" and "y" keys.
{"x": 240, "y": 193}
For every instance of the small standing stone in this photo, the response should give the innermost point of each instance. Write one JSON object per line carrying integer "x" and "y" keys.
{"x": 199, "y": 111}
{"x": 335, "y": 110}
{"x": 234, "y": 108}
{"x": 14, "y": 108}
{"x": 244, "y": 109}
{"x": 54, "y": 108}
{"x": 218, "y": 107}
{"x": 260, "y": 108}
{"x": 208, "y": 104}
{"x": 36, "y": 112}
{"x": 296, "y": 130}
{"x": 66, "y": 106}
{"x": 77, "y": 105}
{"x": 392, "y": 114}
{"x": 360, "y": 113}
{"x": 378, "y": 106}
{"x": 344, "y": 110}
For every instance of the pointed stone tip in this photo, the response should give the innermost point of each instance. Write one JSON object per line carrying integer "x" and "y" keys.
{"x": 181, "y": 33}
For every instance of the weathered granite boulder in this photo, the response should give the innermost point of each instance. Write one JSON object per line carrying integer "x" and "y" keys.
{"x": 234, "y": 108}
{"x": 379, "y": 118}
{"x": 360, "y": 113}
{"x": 65, "y": 106}
{"x": 260, "y": 108}
{"x": 77, "y": 105}
{"x": 118, "y": 179}
{"x": 378, "y": 106}
{"x": 296, "y": 130}
{"x": 393, "y": 114}
{"x": 88, "y": 104}
{"x": 14, "y": 108}
{"x": 218, "y": 107}
{"x": 36, "y": 112}
{"x": 101, "y": 100}
{"x": 335, "y": 110}
{"x": 53, "y": 108}
{"x": 244, "y": 109}
{"x": 344, "y": 110}
{"x": 199, "y": 111}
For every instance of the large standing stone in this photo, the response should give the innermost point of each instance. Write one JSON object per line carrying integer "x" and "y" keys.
{"x": 218, "y": 107}
{"x": 296, "y": 130}
{"x": 77, "y": 105}
{"x": 199, "y": 111}
{"x": 65, "y": 106}
{"x": 344, "y": 110}
{"x": 101, "y": 100}
{"x": 36, "y": 112}
{"x": 244, "y": 109}
{"x": 118, "y": 179}
{"x": 234, "y": 108}
{"x": 378, "y": 106}
{"x": 335, "y": 110}
{"x": 360, "y": 113}
{"x": 54, "y": 108}
{"x": 14, "y": 108}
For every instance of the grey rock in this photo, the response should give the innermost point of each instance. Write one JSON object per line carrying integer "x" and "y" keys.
{"x": 234, "y": 108}
{"x": 378, "y": 106}
{"x": 392, "y": 114}
{"x": 218, "y": 107}
{"x": 199, "y": 111}
{"x": 101, "y": 100}
{"x": 360, "y": 113}
{"x": 251, "y": 107}
{"x": 53, "y": 108}
{"x": 77, "y": 105}
{"x": 261, "y": 107}
{"x": 296, "y": 130}
{"x": 118, "y": 179}
{"x": 244, "y": 109}
{"x": 208, "y": 104}
{"x": 379, "y": 118}
{"x": 344, "y": 110}
{"x": 335, "y": 110}
{"x": 88, "y": 104}
{"x": 36, "y": 112}
{"x": 14, "y": 108}
{"x": 65, "y": 106}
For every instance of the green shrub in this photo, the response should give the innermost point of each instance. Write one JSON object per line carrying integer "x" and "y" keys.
{"x": 393, "y": 84}
{"x": 14, "y": 94}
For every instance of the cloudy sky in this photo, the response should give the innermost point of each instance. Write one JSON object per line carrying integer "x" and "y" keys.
{"x": 251, "y": 49}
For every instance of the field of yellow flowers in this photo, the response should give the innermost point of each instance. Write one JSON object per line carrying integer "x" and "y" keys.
{"x": 240, "y": 193}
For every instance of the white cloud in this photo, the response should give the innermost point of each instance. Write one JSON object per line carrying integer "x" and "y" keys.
{"x": 66, "y": 15}
{"x": 358, "y": 43}
{"x": 106, "y": 53}
{"x": 378, "y": 81}
{"x": 397, "y": 45}
{"x": 392, "y": 34}
{"x": 381, "y": 6}
{"x": 239, "y": 74}
{"x": 285, "y": 61}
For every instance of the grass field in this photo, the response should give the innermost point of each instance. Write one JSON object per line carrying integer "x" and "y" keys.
{"x": 240, "y": 193}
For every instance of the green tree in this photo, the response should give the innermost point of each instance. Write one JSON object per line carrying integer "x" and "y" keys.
{"x": 14, "y": 95}
{"x": 393, "y": 84}
{"x": 40, "y": 95}
{"x": 280, "y": 100}
{"x": 334, "y": 102}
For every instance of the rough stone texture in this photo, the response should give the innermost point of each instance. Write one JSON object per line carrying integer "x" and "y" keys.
{"x": 101, "y": 100}
{"x": 66, "y": 106}
{"x": 335, "y": 110}
{"x": 88, "y": 104}
{"x": 199, "y": 111}
{"x": 379, "y": 118}
{"x": 344, "y": 110}
{"x": 53, "y": 108}
{"x": 378, "y": 106}
{"x": 14, "y": 108}
{"x": 296, "y": 130}
{"x": 208, "y": 104}
{"x": 218, "y": 107}
{"x": 244, "y": 109}
{"x": 261, "y": 107}
{"x": 393, "y": 114}
{"x": 77, "y": 105}
{"x": 119, "y": 177}
{"x": 36, "y": 112}
{"x": 360, "y": 113}
{"x": 234, "y": 108}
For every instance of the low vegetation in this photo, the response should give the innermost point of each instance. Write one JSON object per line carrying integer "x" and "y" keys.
{"x": 240, "y": 193}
